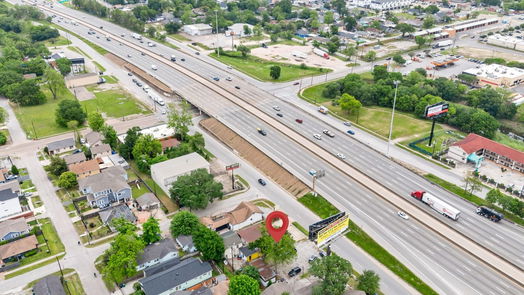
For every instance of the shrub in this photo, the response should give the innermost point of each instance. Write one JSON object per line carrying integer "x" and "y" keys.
{"x": 30, "y": 253}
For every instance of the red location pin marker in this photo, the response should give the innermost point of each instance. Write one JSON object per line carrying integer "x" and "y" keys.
{"x": 277, "y": 233}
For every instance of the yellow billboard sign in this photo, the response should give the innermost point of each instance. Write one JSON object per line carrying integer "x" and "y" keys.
{"x": 333, "y": 229}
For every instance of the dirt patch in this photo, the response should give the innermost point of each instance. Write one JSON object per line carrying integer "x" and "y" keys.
{"x": 284, "y": 53}
{"x": 388, "y": 48}
{"x": 83, "y": 94}
{"x": 256, "y": 157}
{"x": 143, "y": 75}
{"x": 480, "y": 53}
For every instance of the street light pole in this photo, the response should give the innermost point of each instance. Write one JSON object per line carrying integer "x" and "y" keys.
{"x": 392, "y": 116}
{"x": 216, "y": 19}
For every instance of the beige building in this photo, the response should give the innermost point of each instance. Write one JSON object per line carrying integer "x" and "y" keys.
{"x": 497, "y": 75}
{"x": 167, "y": 172}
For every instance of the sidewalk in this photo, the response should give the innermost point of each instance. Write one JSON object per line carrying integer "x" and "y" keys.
{"x": 34, "y": 263}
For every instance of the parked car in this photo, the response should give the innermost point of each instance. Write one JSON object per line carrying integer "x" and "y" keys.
{"x": 347, "y": 123}
{"x": 262, "y": 181}
{"x": 294, "y": 271}
{"x": 312, "y": 258}
{"x": 216, "y": 78}
{"x": 296, "y": 83}
{"x": 229, "y": 79}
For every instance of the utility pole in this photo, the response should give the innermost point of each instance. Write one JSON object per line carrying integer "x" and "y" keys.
{"x": 216, "y": 18}
{"x": 392, "y": 116}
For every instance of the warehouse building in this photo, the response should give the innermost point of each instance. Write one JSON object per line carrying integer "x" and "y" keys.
{"x": 496, "y": 75}
{"x": 510, "y": 42}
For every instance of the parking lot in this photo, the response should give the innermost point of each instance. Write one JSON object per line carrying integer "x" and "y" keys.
{"x": 448, "y": 71}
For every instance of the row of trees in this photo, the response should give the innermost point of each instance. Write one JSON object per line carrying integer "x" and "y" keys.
{"x": 474, "y": 110}
{"x": 508, "y": 203}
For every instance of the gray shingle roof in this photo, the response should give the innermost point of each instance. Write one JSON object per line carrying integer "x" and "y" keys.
{"x": 147, "y": 199}
{"x": 74, "y": 158}
{"x": 100, "y": 148}
{"x": 108, "y": 179}
{"x": 161, "y": 267}
{"x": 7, "y": 194}
{"x": 231, "y": 238}
{"x": 13, "y": 225}
{"x": 185, "y": 271}
{"x": 60, "y": 144}
{"x": 49, "y": 285}
{"x": 157, "y": 250}
{"x": 118, "y": 211}
{"x": 93, "y": 137}
{"x": 185, "y": 241}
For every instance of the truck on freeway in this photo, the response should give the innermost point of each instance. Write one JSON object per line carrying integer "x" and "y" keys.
{"x": 443, "y": 44}
{"x": 136, "y": 36}
{"x": 489, "y": 213}
{"x": 437, "y": 204}
{"x": 323, "y": 110}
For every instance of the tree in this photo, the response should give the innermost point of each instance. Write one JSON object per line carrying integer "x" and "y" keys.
{"x": 25, "y": 93}
{"x": 69, "y": 110}
{"x": 333, "y": 272}
{"x": 151, "y": 32}
{"x": 147, "y": 145}
{"x": 349, "y": 51}
{"x": 274, "y": 72}
{"x": 67, "y": 180}
{"x": 14, "y": 170}
{"x": 251, "y": 271}
{"x": 421, "y": 41}
{"x": 350, "y": 23}
{"x": 243, "y": 285}
{"x": 95, "y": 121}
{"x": 196, "y": 190}
{"x": 244, "y": 50}
{"x": 172, "y": 27}
{"x": 370, "y": 56}
{"x": 3, "y": 138}
{"x": 54, "y": 82}
{"x": 180, "y": 119}
{"x": 121, "y": 257}
{"x": 431, "y": 9}
{"x": 247, "y": 30}
{"x": 42, "y": 33}
{"x": 493, "y": 196}
{"x": 64, "y": 65}
{"x": 125, "y": 149}
{"x": 57, "y": 166}
{"x": 209, "y": 243}
{"x": 278, "y": 253}
{"x": 123, "y": 225}
{"x": 151, "y": 231}
{"x": 184, "y": 223}
{"x": 405, "y": 28}
{"x": 368, "y": 282}
{"x": 109, "y": 136}
{"x": 349, "y": 103}
{"x": 399, "y": 59}
{"x": 380, "y": 73}
{"x": 473, "y": 184}
{"x": 428, "y": 22}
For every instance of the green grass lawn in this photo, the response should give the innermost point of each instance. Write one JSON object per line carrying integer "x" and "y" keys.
{"x": 441, "y": 140}
{"x": 79, "y": 51}
{"x": 137, "y": 192}
{"x": 58, "y": 41}
{"x": 506, "y": 140}
{"x": 324, "y": 209}
{"x": 53, "y": 241}
{"x": 28, "y": 269}
{"x": 65, "y": 271}
{"x": 114, "y": 103}
{"x": 74, "y": 285}
{"x": 110, "y": 79}
{"x": 405, "y": 15}
{"x": 179, "y": 37}
{"x": 99, "y": 66}
{"x": 259, "y": 68}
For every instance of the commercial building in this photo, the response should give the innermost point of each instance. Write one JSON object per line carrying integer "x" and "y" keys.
{"x": 197, "y": 29}
{"x": 451, "y": 30}
{"x": 381, "y": 4}
{"x": 496, "y": 75}
{"x": 510, "y": 42}
{"x": 167, "y": 172}
{"x": 475, "y": 145}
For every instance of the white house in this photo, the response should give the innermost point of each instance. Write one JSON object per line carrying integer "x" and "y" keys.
{"x": 244, "y": 214}
{"x": 238, "y": 30}
{"x": 9, "y": 203}
{"x": 167, "y": 172}
{"x": 157, "y": 253}
{"x": 197, "y": 29}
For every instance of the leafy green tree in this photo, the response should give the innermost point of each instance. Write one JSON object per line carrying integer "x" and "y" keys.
{"x": 184, "y": 223}
{"x": 399, "y": 59}
{"x": 370, "y": 56}
{"x": 54, "y": 82}
{"x": 493, "y": 196}
{"x": 151, "y": 32}
{"x": 14, "y": 170}
{"x": 405, "y": 28}
{"x": 57, "y": 166}
{"x": 209, "y": 243}
{"x": 328, "y": 17}
{"x": 277, "y": 253}
{"x": 7, "y": 78}
{"x": 247, "y": 30}
{"x": 350, "y": 23}
{"x": 274, "y": 72}
{"x": 110, "y": 136}
{"x": 180, "y": 119}
{"x": 431, "y": 9}
{"x": 196, "y": 190}
{"x": 349, "y": 103}
{"x": 332, "y": 90}
{"x": 151, "y": 231}
{"x": 250, "y": 270}
{"x": 333, "y": 272}
{"x": 121, "y": 257}
{"x": 95, "y": 121}
{"x": 421, "y": 41}
{"x": 172, "y": 27}
{"x": 380, "y": 73}
{"x": 429, "y": 22}
{"x": 69, "y": 110}
{"x": 146, "y": 145}
{"x": 64, "y": 65}
{"x": 123, "y": 225}
{"x": 126, "y": 149}
{"x": 243, "y": 285}
{"x": 368, "y": 282}
{"x": 67, "y": 180}
{"x": 3, "y": 138}
{"x": 42, "y": 33}
{"x": 25, "y": 93}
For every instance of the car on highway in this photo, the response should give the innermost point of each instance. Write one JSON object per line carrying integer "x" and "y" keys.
{"x": 262, "y": 181}
{"x": 312, "y": 172}
{"x": 229, "y": 79}
{"x": 351, "y": 132}
{"x": 216, "y": 78}
{"x": 129, "y": 55}
{"x": 237, "y": 87}
{"x": 154, "y": 67}
{"x": 276, "y": 108}
{"x": 229, "y": 67}
{"x": 130, "y": 74}
{"x": 294, "y": 271}
{"x": 197, "y": 53}
{"x": 347, "y": 123}
{"x": 183, "y": 59}
{"x": 300, "y": 121}
{"x": 403, "y": 215}
{"x": 141, "y": 53}
{"x": 296, "y": 83}
{"x": 328, "y": 133}
{"x": 262, "y": 131}
{"x": 317, "y": 136}
{"x": 280, "y": 115}
{"x": 341, "y": 156}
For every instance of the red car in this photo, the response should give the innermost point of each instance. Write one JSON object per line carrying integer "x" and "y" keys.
{"x": 299, "y": 121}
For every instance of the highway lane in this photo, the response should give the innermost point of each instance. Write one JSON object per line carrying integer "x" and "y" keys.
{"x": 159, "y": 72}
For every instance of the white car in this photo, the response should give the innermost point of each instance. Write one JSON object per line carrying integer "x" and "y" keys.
{"x": 164, "y": 112}
{"x": 341, "y": 156}
{"x": 276, "y": 108}
{"x": 229, "y": 79}
{"x": 317, "y": 136}
{"x": 403, "y": 215}
{"x": 347, "y": 123}
{"x": 154, "y": 67}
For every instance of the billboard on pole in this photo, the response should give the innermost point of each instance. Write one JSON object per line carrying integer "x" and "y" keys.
{"x": 326, "y": 230}
{"x": 437, "y": 110}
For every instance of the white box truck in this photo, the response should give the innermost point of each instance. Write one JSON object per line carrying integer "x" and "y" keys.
{"x": 437, "y": 204}
{"x": 443, "y": 44}
{"x": 137, "y": 36}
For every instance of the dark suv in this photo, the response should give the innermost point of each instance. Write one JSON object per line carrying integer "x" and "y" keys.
{"x": 294, "y": 271}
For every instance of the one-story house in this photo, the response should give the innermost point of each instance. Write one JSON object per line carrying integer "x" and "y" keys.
{"x": 246, "y": 213}
{"x": 61, "y": 146}
{"x": 50, "y": 285}
{"x": 85, "y": 169}
{"x": 16, "y": 249}
{"x": 157, "y": 253}
{"x": 100, "y": 150}
{"x": 186, "y": 243}
{"x": 75, "y": 158}
{"x": 147, "y": 201}
{"x": 13, "y": 228}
